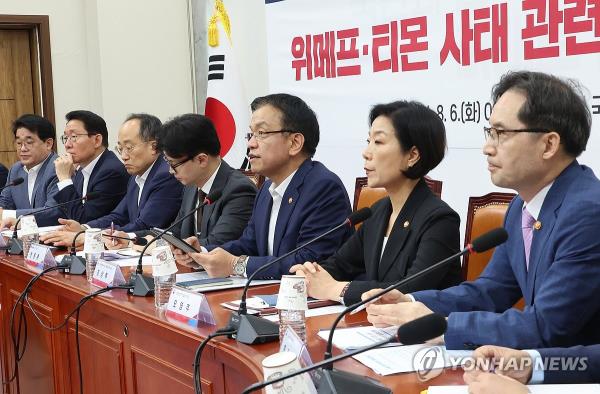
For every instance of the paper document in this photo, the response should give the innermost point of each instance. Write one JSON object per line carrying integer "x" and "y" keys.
{"x": 237, "y": 282}
{"x": 357, "y": 337}
{"x": 534, "y": 389}
{"x": 324, "y": 310}
{"x": 41, "y": 230}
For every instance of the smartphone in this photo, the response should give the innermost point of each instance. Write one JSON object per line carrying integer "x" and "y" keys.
{"x": 200, "y": 283}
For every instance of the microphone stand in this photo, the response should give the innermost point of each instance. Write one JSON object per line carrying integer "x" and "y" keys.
{"x": 143, "y": 285}
{"x": 251, "y": 329}
{"x": 72, "y": 263}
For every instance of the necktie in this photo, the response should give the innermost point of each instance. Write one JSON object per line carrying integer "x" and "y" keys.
{"x": 201, "y": 197}
{"x": 527, "y": 227}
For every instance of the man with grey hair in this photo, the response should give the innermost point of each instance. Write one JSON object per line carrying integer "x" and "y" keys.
{"x": 153, "y": 195}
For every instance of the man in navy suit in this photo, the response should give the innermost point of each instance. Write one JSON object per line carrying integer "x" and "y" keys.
{"x": 88, "y": 166}
{"x": 153, "y": 195}
{"x": 513, "y": 369}
{"x": 3, "y": 174}
{"x": 34, "y": 140}
{"x": 539, "y": 125}
{"x": 301, "y": 200}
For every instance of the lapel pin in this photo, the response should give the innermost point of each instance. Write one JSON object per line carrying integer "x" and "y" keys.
{"x": 406, "y": 224}
{"x": 290, "y": 200}
{"x": 537, "y": 225}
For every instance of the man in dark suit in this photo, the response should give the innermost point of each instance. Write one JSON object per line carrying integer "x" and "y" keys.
{"x": 513, "y": 369}
{"x": 192, "y": 150}
{"x": 88, "y": 166}
{"x": 153, "y": 195}
{"x": 539, "y": 125}
{"x": 34, "y": 140}
{"x": 301, "y": 200}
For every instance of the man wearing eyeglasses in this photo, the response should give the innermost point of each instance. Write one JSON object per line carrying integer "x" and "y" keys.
{"x": 88, "y": 166}
{"x": 34, "y": 140}
{"x": 153, "y": 195}
{"x": 301, "y": 200}
{"x": 192, "y": 149}
{"x": 538, "y": 126}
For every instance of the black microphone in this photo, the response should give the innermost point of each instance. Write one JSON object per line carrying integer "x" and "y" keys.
{"x": 16, "y": 246}
{"x": 72, "y": 263}
{"x": 417, "y": 331}
{"x": 252, "y": 329}
{"x": 14, "y": 182}
{"x": 139, "y": 241}
{"x": 489, "y": 240}
{"x": 143, "y": 286}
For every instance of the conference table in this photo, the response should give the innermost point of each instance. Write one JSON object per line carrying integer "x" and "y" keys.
{"x": 129, "y": 346}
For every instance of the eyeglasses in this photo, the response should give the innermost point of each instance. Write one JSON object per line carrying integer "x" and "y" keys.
{"x": 261, "y": 135}
{"x": 72, "y": 137}
{"x": 28, "y": 143}
{"x": 127, "y": 148}
{"x": 493, "y": 134}
{"x": 175, "y": 165}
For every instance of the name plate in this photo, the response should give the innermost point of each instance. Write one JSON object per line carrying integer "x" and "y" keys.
{"x": 107, "y": 274}
{"x": 189, "y": 307}
{"x": 39, "y": 257}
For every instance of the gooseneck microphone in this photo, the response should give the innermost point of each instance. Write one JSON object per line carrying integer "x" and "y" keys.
{"x": 411, "y": 333}
{"x": 16, "y": 246}
{"x": 14, "y": 182}
{"x": 489, "y": 240}
{"x": 253, "y": 329}
{"x": 142, "y": 285}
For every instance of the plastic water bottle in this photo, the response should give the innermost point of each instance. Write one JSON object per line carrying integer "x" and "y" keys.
{"x": 294, "y": 319}
{"x": 28, "y": 240}
{"x": 162, "y": 289}
{"x": 94, "y": 251}
{"x": 163, "y": 284}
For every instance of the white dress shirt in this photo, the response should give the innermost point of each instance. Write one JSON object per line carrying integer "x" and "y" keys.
{"x": 32, "y": 174}
{"x": 141, "y": 181}
{"x": 277, "y": 193}
{"x": 86, "y": 172}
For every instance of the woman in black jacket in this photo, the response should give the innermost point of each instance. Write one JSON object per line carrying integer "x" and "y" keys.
{"x": 411, "y": 229}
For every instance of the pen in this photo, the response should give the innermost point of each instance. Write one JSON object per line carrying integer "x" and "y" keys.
{"x": 112, "y": 231}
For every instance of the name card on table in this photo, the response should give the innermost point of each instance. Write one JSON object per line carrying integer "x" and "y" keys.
{"x": 107, "y": 274}
{"x": 39, "y": 257}
{"x": 291, "y": 342}
{"x": 189, "y": 307}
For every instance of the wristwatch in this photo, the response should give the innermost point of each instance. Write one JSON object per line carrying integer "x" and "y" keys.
{"x": 239, "y": 266}
{"x": 343, "y": 293}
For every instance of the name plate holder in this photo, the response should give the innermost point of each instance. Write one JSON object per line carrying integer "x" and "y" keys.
{"x": 189, "y": 307}
{"x": 107, "y": 274}
{"x": 39, "y": 257}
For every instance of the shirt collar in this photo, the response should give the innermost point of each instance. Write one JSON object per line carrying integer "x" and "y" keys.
{"x": 280, "y": 189}
{"x": 141, "y": 179}
{"x": 208, "y": 184}
{"x": 36, "y": 167}
{"x": 87, "y": 170}
{"x": 534, "y": 206}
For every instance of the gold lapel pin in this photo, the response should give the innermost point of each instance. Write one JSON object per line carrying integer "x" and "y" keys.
{"x": 537, "y": 225}
{"x": 406, "y": 224}
{"x": 290, "y": 200}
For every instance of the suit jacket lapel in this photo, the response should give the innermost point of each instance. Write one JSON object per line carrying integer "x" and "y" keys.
{"x": 402, "y": 228}
{"x": 262, "y": 215}
{"x": 39, "y": 180}
{"x": 218, "y": 184}
{"x": 156, "y": 166}
{"x": 374, "y": 232}
{"x": 288, "y": 203}
{"x": 547, "y": 219}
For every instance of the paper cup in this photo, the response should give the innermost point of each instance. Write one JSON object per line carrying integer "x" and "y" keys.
{"x": 93, "y": 241}
{"x": 292, "y": 293}
{"x": 282, "y": 363}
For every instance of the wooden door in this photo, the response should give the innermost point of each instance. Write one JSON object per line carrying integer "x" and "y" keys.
{"x": 18, "y": 85}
